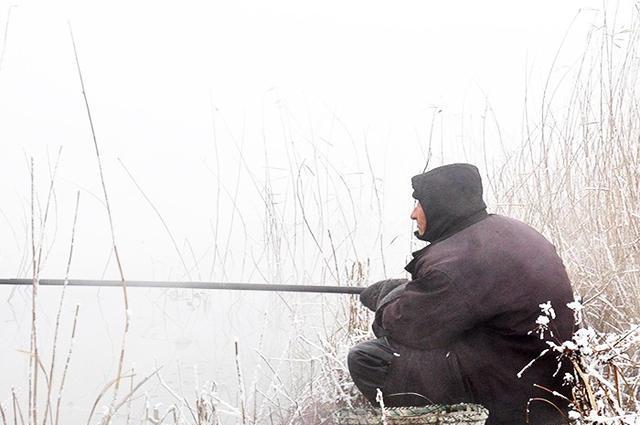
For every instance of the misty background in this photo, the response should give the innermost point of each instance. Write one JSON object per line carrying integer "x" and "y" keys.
{"x": 244, "y": 142}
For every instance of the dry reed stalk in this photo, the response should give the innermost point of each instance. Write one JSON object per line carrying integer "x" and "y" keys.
{"x": 236, "y": 212}
{"x": 34, "y": 359}
{"x": 183, "y": 400}
{"x": 101, "y": 394}
{"x": 129, "y": 402}
{"x": 59, "y": 312}
{"x": 17, "y": 412}
{"x": 6, "y": 35}
{"x": 44, "y": 372}
{"x": 111, "y": 227}
{"x": 66, "y": 364}
{"x": 240, "y": 384}
{"x": 300, "y": 197}
{"x": 218, "y": 184}
{"x": 380, "y": 234}
{"x": 258, "y": 369}
{"x": 127, "y": 397}
{"x": 234, "y": 199}
{"x": 162, "y": 220}
{"x": 170, "y": 411}
{"x": 275, "y": 385}
{"x": 33, "y": 355}
{"x": 43, "y": 224}
{"x": 276, "y": 376}
{"x": 3, "y": 416}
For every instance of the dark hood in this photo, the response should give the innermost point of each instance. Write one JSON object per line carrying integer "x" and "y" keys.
{"x": 451, "y": 197}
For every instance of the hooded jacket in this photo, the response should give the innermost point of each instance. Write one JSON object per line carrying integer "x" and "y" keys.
{"x": 474, "y": 295}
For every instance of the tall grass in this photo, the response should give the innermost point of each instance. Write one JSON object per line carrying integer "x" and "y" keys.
{"x": 576, "y": 176}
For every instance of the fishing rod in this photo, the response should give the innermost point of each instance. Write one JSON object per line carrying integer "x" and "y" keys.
{"x": 325, "y": 289}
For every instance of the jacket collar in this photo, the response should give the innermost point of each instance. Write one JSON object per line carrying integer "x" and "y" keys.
{"x": 461, "y": 225}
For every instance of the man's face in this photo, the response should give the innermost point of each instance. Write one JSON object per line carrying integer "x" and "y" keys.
{"x": 421, "y": 220}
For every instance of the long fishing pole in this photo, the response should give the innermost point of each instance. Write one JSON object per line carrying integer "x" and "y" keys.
{"x": 191, "y": 285}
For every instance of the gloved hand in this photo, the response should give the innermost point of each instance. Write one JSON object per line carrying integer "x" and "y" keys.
{"x": 373, "y": 295}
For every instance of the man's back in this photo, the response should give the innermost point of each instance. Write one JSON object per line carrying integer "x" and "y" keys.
{"x": 477, "y": 293}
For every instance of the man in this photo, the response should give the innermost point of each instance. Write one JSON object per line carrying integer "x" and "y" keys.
{"x": 461, "y": 329}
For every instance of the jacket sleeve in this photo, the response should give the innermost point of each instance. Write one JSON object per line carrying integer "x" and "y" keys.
{"x": 374, "y": 294}
{"x": 432, "y": 312}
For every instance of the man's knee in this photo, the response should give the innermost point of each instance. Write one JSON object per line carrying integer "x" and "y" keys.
{"x": 357, "y": 358}
{"x": 373, "y": 354}
{"x": 369, "y": 364}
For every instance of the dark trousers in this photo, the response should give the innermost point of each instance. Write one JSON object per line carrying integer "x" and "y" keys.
{"x": 406, "y": 377}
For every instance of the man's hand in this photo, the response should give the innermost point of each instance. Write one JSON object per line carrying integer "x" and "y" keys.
{"x": 374, "y": 294}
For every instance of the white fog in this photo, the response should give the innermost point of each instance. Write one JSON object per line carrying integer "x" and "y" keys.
{"x": 261, "y": 142}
